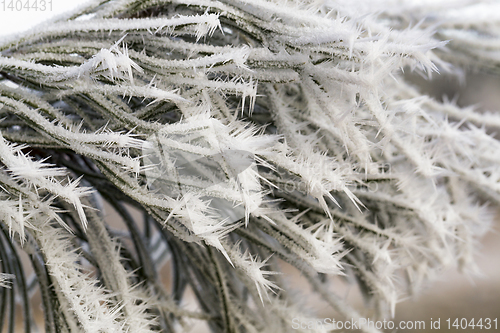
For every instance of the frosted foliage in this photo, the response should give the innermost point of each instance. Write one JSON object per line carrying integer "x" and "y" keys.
{"x": 249, "y": 135}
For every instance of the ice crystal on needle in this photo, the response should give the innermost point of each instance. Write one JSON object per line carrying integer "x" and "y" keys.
{"x": 248, "y": 134}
